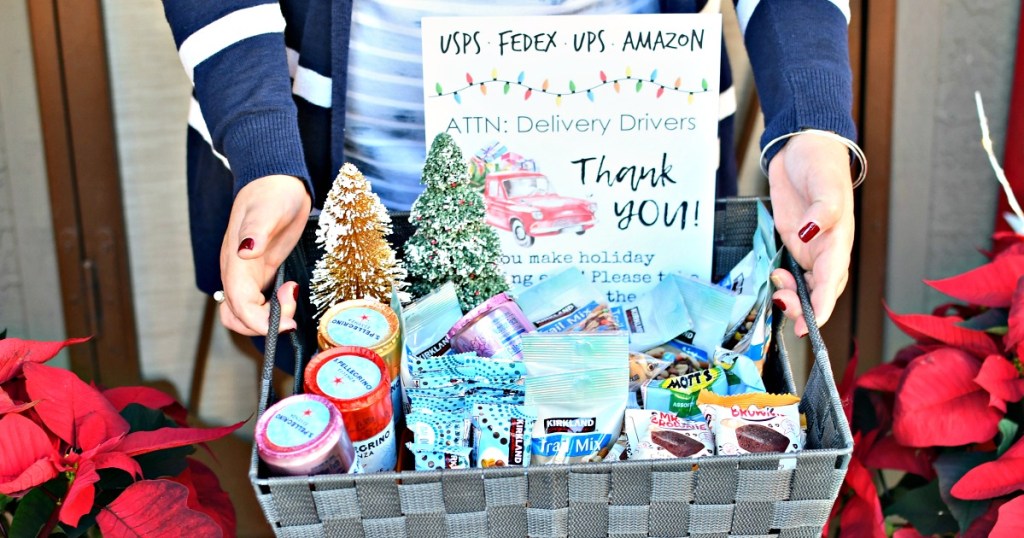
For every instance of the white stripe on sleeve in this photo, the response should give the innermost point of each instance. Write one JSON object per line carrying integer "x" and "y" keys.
{"x": 745, "y": 10}
{"x": 727, "y": 103}
{"x": 196, "y": 121}
{"x": 312, "y": 87}
{"x": 293, "y": 60}
{"x": 228, "y": 30}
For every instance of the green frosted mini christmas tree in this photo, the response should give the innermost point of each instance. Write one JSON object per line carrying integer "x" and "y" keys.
{"x": 452, "y": 241}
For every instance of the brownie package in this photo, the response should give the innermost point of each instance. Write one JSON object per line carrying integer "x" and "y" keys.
{"x": 659, "y": 435}
{"x": 753, "y": 422}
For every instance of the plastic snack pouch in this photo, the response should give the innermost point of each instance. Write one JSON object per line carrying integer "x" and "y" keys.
{"x": 555, "y": 353}
{"x": 433, "y": 458}
{"x": 436, "y": 405}
{"x": 753, "y": 422}
{"x": 421, "y": 365}
{"x": 425, "y": 325}
{"x": 502, "y": 434}
{"x": 444, "y": 429}
{"x": 678, "y": 395}
{"x": 556, "y": 297}
{"x": 741, "y": 373}
{"x": 712, "y": 308}
{"x": 656, "y": 435}
{"x": 643, "y": 367}
{"x": 658, "y": 315}
{"x": 496, "y": 370}
{"x": 579, "y": 414}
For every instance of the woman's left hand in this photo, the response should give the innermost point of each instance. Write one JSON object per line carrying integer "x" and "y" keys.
{"x": 812, "y": 200}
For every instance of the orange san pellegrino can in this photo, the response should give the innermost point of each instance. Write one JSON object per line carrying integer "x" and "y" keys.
{"x": 356, "y": 381}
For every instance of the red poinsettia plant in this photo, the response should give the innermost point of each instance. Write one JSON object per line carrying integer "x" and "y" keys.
{"x": 75, "y": 459}
{"x": 946, "y": 412}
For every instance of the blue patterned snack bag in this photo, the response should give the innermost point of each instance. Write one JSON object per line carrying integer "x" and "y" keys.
{"x": 433, "y": 457}
{"x": 502, "y": 434}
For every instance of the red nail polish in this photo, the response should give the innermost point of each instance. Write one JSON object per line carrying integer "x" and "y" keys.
{"x": 808, "y": 232}
{"x": 779, "y": 304}
{"x": 802, "y": 336}
{"x": 295, "y": 293}
{"x": 246, "y": 244}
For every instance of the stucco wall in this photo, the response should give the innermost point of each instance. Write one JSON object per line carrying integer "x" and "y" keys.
{"x": 944, "y": 193}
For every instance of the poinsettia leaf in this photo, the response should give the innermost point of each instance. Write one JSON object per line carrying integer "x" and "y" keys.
{"x": 994, "y": 479}
{"x": 15, "y": 352}
{"x": 205, "y": 495}
{"x": 883, "y": 378}
{"x": 907, "y": 532}
{"x": 136, "y": 443}
{"x": 1015, "y": 324}
{"x": 3, "y": 334}
{"x": 81, "y": 494}
{"x": 167, "y": 462}
{"x": 944, "y": 329}
{"x": 1002, "y": 381}
{"x": 154, "y": 509}
{"x": 121, "y": 397}
{"x": 861, "y": 516}
{"x": 1007, "y": 433}
{"x": 73, "y": 410}
{"x": 8, "y": 406}
{"x": 26, "y": 455}
{"x": 951, "y": 466}
{"x": 886, "y": 453}
{"x": 1010, "y": 523}
{"x": 33, "y": 512}
{"x": 924, "y": 509}
{"x": 982, "y": 525}
{"x": 117, "y": 460}
{"x": 939, "y": 404}
{"x": 990, "y": 285}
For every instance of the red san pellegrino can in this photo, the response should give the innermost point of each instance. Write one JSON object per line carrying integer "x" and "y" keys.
{"x": 356, "y": 381}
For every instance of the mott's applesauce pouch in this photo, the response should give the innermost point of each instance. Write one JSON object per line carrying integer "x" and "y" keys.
{"x": 679, "y": 394}
{"x": 356, "y": 381}
{"x": 363, "y": 323}
{"x": 753, "y": 423}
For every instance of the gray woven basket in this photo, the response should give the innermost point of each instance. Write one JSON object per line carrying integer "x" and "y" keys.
{"x": 710, "y": 497}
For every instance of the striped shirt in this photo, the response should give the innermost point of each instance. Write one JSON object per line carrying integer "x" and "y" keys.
{"x": 281, "y": 88}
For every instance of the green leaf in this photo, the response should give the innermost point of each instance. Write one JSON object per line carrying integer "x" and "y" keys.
{"x": 167, "y": 462}
{"x": 639, "y": 84}
{"x": 437, "y": 88}
{"x": 998, "y": 331}
{"x": 1007, "y": 432}
{"x": 4, "y": 501}
{"x": 924, "y": 509}
{"x": 950, "y": 467}
{"x": 34, "y": 510}
{"x": 3, "y": 334}
{"x": 704, "y": 84}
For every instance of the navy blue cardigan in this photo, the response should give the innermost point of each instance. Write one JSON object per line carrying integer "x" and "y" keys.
{"x": 235, "y": 54}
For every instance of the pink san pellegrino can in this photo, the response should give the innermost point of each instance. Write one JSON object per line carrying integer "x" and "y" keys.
{"x": 495, "y": 327}
{"x": 304, "y": 434}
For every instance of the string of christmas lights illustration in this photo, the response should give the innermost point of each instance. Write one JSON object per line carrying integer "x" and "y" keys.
{"x": 573, "y": 90}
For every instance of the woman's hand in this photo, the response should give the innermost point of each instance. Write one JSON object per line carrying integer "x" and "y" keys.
{"x": 267, "y": 219}
{"x": 812, "y": 200}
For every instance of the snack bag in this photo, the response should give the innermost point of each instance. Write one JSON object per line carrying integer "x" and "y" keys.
{"x": 567, "y": 302}
{"x": 643, "y": 367}
{"x": 425, "y": 326}
{"x": 579, "y": 384}
{"x": 753, "y": 423}
{"x": 712, "y": 307}
{"x": 741, "y": 373}
{"x": 438, "y": 429}
{"x": 502, "y": 434}
{"x": 658, "y": 435}
{"x": 678, "y": 395}
{"x": 659, "y": 315}
{"x": 433, "y": 457}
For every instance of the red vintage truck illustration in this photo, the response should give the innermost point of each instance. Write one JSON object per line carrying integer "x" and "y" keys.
{"x": 524, "y": 203}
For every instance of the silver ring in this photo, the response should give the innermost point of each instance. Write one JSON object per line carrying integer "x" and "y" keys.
{"x": 219, "y": 296}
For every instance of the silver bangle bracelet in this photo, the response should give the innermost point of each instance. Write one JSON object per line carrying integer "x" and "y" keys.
{"x": 856, "y": 154}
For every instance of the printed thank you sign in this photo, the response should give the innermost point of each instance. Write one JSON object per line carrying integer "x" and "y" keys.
{"x": 592, "y": 138}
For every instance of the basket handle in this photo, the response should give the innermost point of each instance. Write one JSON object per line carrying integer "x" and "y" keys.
{"x": 270, "y": 348}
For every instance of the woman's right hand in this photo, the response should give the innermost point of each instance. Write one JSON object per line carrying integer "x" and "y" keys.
{"x": 267, "y": 219}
